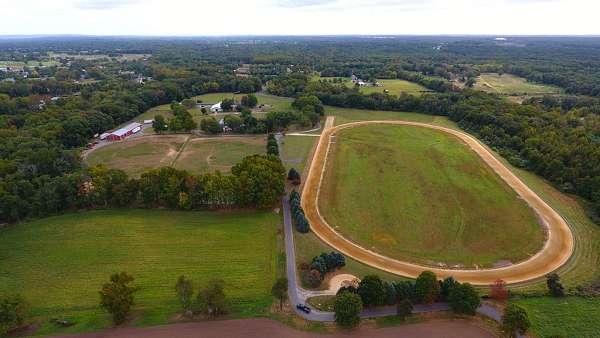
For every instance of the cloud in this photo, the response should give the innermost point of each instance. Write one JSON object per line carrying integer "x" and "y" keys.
{"x": 104, "y": 4}
{"x": 403, "y": 5}
{"x": 302, "y": 3}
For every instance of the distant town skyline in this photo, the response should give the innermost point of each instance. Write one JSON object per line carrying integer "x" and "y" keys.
{"x": 300, "y": 17}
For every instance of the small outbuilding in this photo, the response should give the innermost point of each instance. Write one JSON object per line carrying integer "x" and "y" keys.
{"x": 216, "y": 108}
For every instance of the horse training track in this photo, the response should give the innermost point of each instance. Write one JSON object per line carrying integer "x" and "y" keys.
{"x": 267, "y": 328}
{"x": 556, "y": 251}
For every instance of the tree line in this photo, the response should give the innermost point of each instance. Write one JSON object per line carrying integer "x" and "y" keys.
{"x": 561, "y": 146}
{"x": 256, "y": 182}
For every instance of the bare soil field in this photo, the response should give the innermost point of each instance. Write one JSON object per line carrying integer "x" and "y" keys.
{"x": 261, "y": 328}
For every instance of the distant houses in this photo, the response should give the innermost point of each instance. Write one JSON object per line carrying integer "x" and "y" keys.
{"x": 360, "y": 82}
{"x": 122, "y": 133}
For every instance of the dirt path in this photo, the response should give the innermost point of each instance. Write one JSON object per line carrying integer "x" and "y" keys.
{"x": 556, "y": 251}
{"x": 266, "y": 328}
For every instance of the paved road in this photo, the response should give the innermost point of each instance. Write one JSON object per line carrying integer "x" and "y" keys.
{"x": 556, "y": 251}
{"x": 298, "y": 295}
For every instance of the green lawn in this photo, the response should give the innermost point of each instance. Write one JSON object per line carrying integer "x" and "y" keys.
{"x": 296, "y": 151}
{"x": 507, "y": 84}
{"x": 572, "y": 317}
{"x": 345, "y": 115}
{"x": 393, "y": 86}
{"x": 418, "y": 194}
{"x": 59, "y": 263}
{"x": 271, "y": 102}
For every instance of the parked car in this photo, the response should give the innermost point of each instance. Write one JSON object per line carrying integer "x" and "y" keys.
{"x": 303, "y": 308}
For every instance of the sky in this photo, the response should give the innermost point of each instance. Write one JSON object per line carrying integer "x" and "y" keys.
{"x": 299, "y": 17}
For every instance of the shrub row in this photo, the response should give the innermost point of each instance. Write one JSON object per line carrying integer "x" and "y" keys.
{"x": 300, "y": 220}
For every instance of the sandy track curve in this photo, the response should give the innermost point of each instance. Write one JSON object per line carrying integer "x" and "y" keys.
{"x": 556, "y": 251}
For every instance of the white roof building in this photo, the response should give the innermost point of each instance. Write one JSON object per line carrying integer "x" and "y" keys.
{"x": 132, "y": 127}
{"x": 216, "y": 108}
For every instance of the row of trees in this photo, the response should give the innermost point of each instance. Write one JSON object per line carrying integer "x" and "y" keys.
{"x": 302, "y": 224}
{"x": 181, "y": 120}
{"x": 256, "y": 182}
{"x": 463, "y": 298}
{"x": 272, "y": 146}
{"x": 560, "y": 146}
{"x": 372, "y": 291}
{"x": 117, "y": 297}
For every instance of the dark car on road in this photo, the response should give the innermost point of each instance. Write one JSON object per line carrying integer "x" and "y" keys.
{"x": 303, "y": 308}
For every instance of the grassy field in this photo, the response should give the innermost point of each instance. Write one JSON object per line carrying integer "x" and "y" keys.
{"x": 384, "y": 186}
{"x": 31, "y": 64}
{"x": 198, "y": 155}
{"x": 60, "y": 263}
{"x": 393, "y": 86}
{"x": 572, "y": 317}
{"x": 296, "y": 151}
{"x": 269, "y": 102}
{"x": 207, "y": 155}
{"x": 508, "y": 84}
{"x": 345, "y": 115}
{"x": 137, "y": 155}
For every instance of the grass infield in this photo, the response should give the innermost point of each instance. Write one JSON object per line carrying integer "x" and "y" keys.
{"x": 420, "y": 195}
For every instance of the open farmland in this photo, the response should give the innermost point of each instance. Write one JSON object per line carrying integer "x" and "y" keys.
{"x": 206, "y": 155}
{"x": 384, "y": 185}
{"x": 136, "y": 155}
{"x": 269, "y": 102}
{"x": 62, "y": 261}
{"x": 393, "y": 86}
{"x": 196, "y": 155}
{"x": 507, "y": 84}
{"x": 296, "y": 151}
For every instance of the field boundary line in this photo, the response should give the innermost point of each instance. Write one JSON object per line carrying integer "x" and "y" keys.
{"x": 183, "y": 146}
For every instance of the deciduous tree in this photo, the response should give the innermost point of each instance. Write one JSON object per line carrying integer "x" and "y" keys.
{"x": 279, "y": 290}
{"x": 515, "y": 320}
{"x": 117, "y": 297}
{"x": 347, "y": 308}
{"x": 427, "y": 288}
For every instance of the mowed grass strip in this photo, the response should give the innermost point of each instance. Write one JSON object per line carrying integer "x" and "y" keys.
{"x": 60, "y": 263}
{"x": 207, "y": 155}
{"x": 296, "y": 150}
{"x": 421, "y": 195}
{"x": 508, "y": 84}
{"x": 392, "y": 86}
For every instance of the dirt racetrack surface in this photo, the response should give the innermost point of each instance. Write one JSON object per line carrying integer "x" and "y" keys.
{"x": 556, "y": 251}
{"x": 266, "y": 328}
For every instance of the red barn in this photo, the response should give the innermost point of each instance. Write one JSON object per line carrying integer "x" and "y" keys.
{"x": 122, "y": 133}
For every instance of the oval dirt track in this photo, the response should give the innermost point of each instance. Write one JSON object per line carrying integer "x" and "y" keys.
{"x": 556, "y": 251}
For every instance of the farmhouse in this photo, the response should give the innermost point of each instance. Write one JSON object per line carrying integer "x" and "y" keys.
{"x": 122, "y": 133}
{"x": 216, "y": 108}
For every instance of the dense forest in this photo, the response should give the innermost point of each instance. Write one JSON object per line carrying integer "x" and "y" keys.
{"x": 49, "y": 111}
